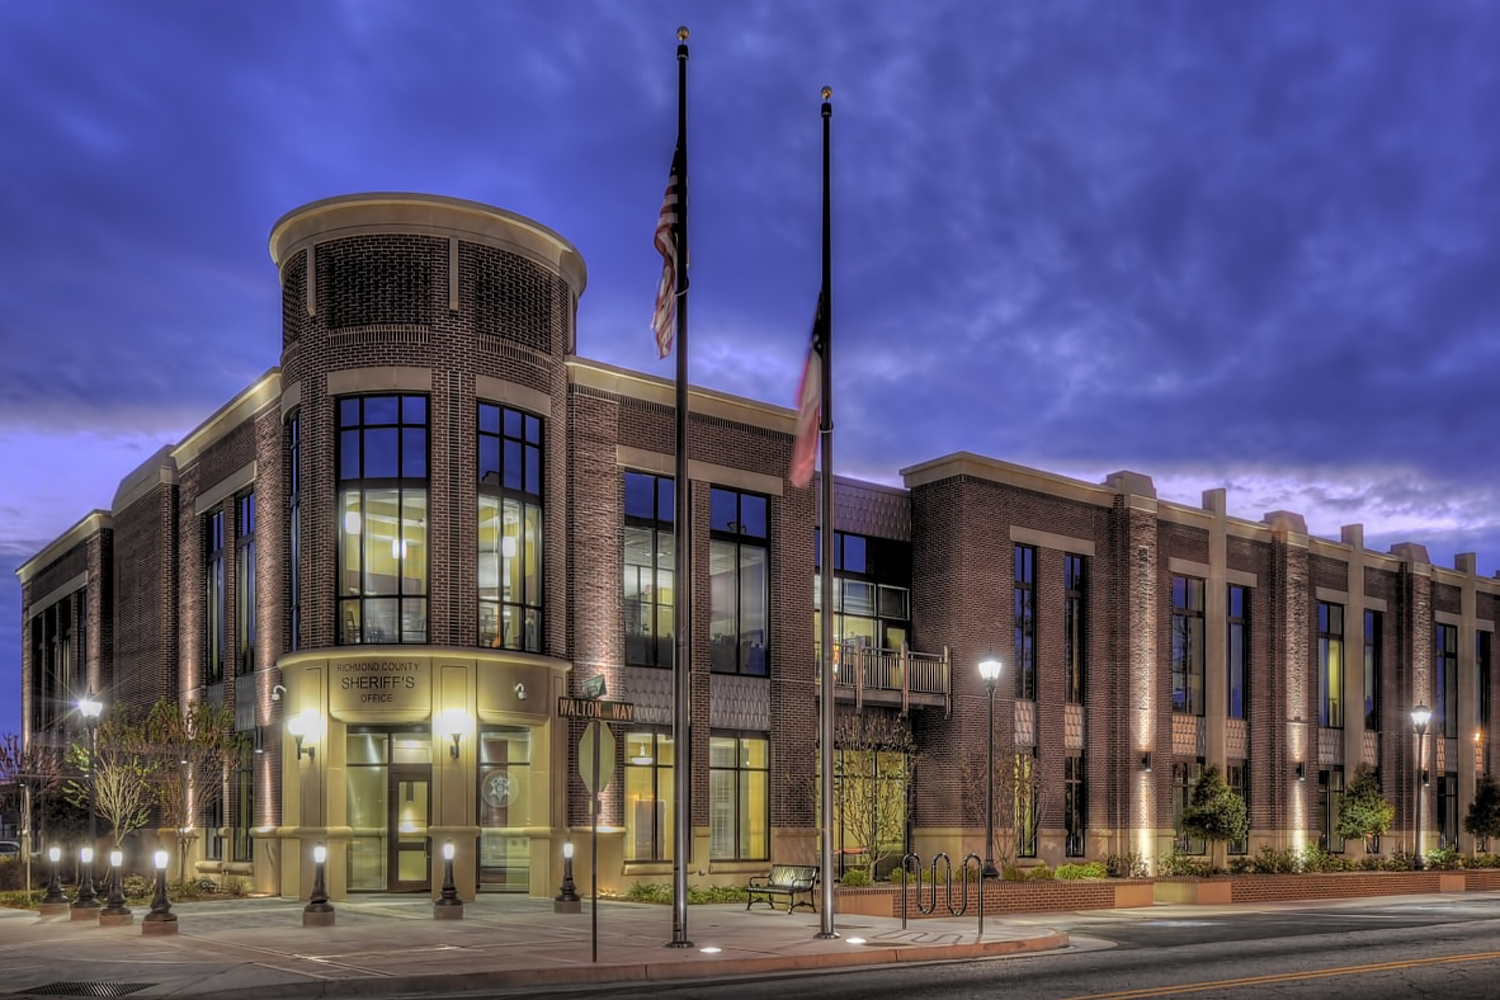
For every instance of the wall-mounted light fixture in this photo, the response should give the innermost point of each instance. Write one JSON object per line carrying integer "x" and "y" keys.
{"x": 304, "y": 729}
{"x": 277, "y": 692}
{"x": 1146, "y": 762}
{"x": 1301, "y": 771}
{"x": 453, "y": 723}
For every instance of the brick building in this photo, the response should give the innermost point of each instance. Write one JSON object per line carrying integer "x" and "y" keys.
{"x": 395, "y": 552}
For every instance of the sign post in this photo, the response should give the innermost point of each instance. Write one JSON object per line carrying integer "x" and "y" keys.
{"x": 596, "y": 766}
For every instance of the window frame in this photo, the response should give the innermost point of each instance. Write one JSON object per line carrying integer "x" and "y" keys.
{"x": 649, "y": 648}
{"x": 1237, "y": 652}
{"x": 741, "y": 540}
{"x": 1374, "y": 627}
{"x": 530, "y": 471}
{"x": 1075, "y": 805}
{"x": 1445, "y": 680}
{"x": 740, "y": 771}
{"x": 294, "y": 530}
{"x": 1188, "y": 677}
{"x": 1075, "y": 627}
{"x": 1332, "y": 664}
{"x": 244, "y": 581}
{"x": 215, "y": 609}
{"x": 1023, "y": 564}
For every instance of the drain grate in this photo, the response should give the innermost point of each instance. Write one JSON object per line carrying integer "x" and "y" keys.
{"x": 84, "y": 989}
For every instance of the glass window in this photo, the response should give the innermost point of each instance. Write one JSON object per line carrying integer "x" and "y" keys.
{"x": 244, "y": 582}
{"x": 1075, "y": 647}
{"x": 509, "y": 468}
{"x": 1027, "y": 802}
{"x": 1482, "y": 678}
{"x": 1330, "y": 799}
{"x": 1445, "y": 680}
{"x": 648, "y": 796}
{"x": 1235, "y": 776}
{"x": 1331, "y": 665}
{"x": 213, "y": 539}
{"x": 1187, "y": 645}
{"x": 1074, "y": 806}
{"x": 1184, "y": 779}
{"x": 242, "y": 784}
{"x": 739, "y": 581}
{"x": 382, "y": 519}
{"x": 649, "y": 563}
{"x": 213, "y": 828}
{"x": 507, "y": 808}
{"x": 739, "y": 800}
{"x": 1373, "y": 623}
{"x": 294, "y": 529}
{"x": 1239, "y": 611}
{"x": 871, "y": 599}
{"x": 1025, "y": 621}
{"x": 1447, "y": 808}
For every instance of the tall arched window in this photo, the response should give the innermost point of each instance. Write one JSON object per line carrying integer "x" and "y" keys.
{"x": 382, "y": 512}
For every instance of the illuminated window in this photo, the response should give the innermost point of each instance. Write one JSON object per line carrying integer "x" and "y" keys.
{"x": 510, "y": 528}
{"x": 739, "y": 802}
{"x": 213, "y": 545}
{"x": 739, "y": 583}
{"x": 1026, "y": 802}
{"x": 1184, "y": 778}
{"x": 1331, "y": 665}
{"x": 648, "y": 796}
{"x": 382, "y": 519}
{"x": 650, "y": 553}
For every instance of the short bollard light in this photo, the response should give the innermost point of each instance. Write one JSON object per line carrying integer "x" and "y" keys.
{"x": 54, "y": 903}
{"x": 566, "y": 900}
{"x": 318, "y": 912}
{"x": 161, "y": 919}
{"x": 115, "y": 912}
{"x": 86, "y": 904}
{"x": 448, "y": 906}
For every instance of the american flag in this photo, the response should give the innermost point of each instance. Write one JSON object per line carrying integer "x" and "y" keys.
{"x": 809, "y": 407}
{"x": 664, "y": 320}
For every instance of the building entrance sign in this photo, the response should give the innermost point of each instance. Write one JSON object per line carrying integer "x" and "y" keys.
{"x": 380, "y": 684}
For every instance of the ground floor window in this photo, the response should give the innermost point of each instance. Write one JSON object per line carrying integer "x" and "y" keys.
{"x": 871, "y": 805}
{"x": 1330, "y": 800}
{"x": 1236, "y": 774}
{"x": 1026, "y": 802}
{"x": 213, "y": 829}
{"x": 1184, "y": 778}
{"x": 505, "y": 808}
{"x": 1073, "y": 805}
{"x": 1447, "y": 809}
{"x": 242, "y": 787}
{"x": 739, "y": 801}
{"x": 648, "y": 795}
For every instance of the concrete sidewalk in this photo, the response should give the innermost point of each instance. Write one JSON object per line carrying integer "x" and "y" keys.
{"x": 390, "y": 945}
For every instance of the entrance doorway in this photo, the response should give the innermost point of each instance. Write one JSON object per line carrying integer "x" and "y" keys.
{"x": 410, "y": 862}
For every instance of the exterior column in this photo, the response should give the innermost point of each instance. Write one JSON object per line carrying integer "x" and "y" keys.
{"x": 1414, "y": 687}
{"x": 1216, "y": 633}
{"x": 1294, "y": 739}
{"x": 1468, "y": 691}
{"x": 1353, "y": 535}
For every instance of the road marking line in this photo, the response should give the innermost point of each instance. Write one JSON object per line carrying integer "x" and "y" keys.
{"x": 1283, "y": 977}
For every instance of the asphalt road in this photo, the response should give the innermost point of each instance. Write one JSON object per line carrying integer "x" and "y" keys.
{"x": 1356, "y": 950}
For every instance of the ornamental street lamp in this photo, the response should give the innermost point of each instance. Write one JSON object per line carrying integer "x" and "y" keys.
{"x": 91, "y": 708}
{"x": 161, "y": 919}
{"x": 319, "y": 911}
{"x": 448, "y": 905}
{"x": 54, "y": 902}
{"x": 1420, "y": 716}
{"x": 115, "y": 912}
{"x": 989, "y": 672}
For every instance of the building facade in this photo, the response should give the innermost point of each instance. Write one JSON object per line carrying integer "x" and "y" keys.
{"x": 399, "y": 551}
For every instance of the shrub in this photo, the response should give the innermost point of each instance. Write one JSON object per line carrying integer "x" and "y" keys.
{"x": 716, "y": 894}
{"x": 138, "y": 888}
{"x": 16, "y": 899}
{"x": 855, "y": 878}
{"x": 1274, "y": 861}
{"x": 1174, "y": 864}
{"x": 236, "y": 886}
{"x": 1444, "y": 859}
{"x": 1041, "y": 873}
{"x": 649, "y": 892}
{"x": 1399, "y": 861}
{"x": 1315, "y": 859}
{"x": 1484, "y": 861}
{"x": 1127, "y": 865}
{"x": 1088, "y": 869}
{"x": 1011, "y": 872}
{"x": 1242, "y": 864}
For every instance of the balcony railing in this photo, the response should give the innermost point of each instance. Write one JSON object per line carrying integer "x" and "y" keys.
{"x": 882, "y": 674}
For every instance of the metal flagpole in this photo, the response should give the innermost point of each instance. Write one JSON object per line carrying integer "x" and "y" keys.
{"x": 682, "y": 583}
{"x": 825, "y": 702}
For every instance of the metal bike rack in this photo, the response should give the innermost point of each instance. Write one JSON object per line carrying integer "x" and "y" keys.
{"x": 913, "y": 863}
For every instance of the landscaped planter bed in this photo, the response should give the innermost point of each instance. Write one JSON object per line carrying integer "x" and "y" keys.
{"x": 1221, "y": 889}
{"x": 1000, "y": 897}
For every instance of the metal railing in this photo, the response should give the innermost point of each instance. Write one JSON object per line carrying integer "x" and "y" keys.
{"x": 861, "y": 668}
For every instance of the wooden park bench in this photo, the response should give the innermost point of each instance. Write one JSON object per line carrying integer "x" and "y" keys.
{"x": 790, "y": 881}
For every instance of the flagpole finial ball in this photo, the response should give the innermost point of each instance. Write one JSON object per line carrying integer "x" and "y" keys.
{"x": 827, "y": 93}
{"x": 682, "y": 33}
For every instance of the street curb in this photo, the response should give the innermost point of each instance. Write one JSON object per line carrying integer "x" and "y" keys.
{"x": 598, "y": 975}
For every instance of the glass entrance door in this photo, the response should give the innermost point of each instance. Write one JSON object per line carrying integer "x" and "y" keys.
{"x": 410, "y": 863}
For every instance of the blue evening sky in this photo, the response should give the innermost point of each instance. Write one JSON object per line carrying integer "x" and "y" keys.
{"x": 1251, "y": 245}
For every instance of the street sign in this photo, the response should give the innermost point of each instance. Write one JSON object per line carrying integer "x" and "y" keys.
{"x": 594, "y": 688}
{"x": 609, "y": 711}
{"x": 596, "y": 750}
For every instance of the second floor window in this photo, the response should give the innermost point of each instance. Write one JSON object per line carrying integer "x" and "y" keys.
{"x": 739, "y": 581}
{"x": 1025, "y": 616}
{"x": 294, "y": 530}
{"x": 1331, "y": 665}
{"x": 510, "y": 528}
{"x": 1239, "y": 618}
{"x": 1074, "y": 647}
{"x": 382, "y": 519}
{"x": 1482, "y": 677}
{"x": 650, "y": 560}
{"x": 1187, "y": 645}
{"x": 1445, "y": 680}
{"x": 213, "y": 576}
{"x": 871, "y": 599}
{"x": 1372, "y": 670}
{"x": 244, "y": 582}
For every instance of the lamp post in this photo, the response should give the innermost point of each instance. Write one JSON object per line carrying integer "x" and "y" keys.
{"x": 1420, "y": 716}
{"x": 318, "y": 912}
{"x": 989, "y": 672}
{"x": 566, "y": 900}
{"x": 161, "y": 919}
{"x": 115, "y": 913}
{"x": 448, "y": 906}
{"x": 90, "y": 708}
{"x": 54, "y": 902}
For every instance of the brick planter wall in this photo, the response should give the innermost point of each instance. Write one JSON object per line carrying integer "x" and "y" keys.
{"x": 1001, "y": 898}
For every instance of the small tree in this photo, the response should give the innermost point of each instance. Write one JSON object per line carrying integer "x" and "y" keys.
{"x": 29, "y": 776}
{"x": 1364, "y": 811}
{"x": 1216, "y": 812}
{"x": 194, "y": 749}
{"x": 1483, "y": 819}
{"x": 124, "y": 770}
